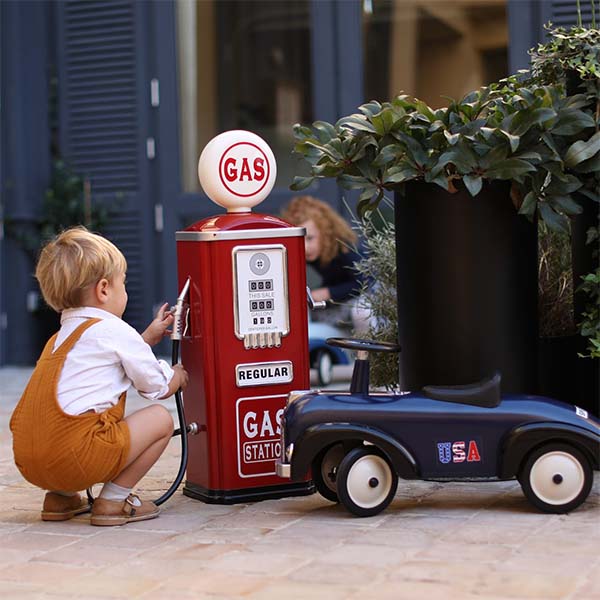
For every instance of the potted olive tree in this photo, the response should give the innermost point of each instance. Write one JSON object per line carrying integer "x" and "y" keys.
{"x": 570, "y": 60}
{"x": 466, "y": 263}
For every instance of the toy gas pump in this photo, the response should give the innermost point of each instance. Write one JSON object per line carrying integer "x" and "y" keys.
{"x": 245, "y": 343}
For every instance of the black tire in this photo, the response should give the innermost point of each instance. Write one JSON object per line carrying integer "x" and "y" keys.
{"x": 324, "y": 365}
{"x": 366, "y": 482}
{"x": 556, "y": 478}
{"x": 324, "y": 471}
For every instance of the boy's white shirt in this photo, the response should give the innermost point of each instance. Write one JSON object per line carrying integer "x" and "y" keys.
{"x": 108, "y": 358}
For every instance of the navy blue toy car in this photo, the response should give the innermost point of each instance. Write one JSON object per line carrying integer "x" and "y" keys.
{"x": 323, "y": 356}
{"x": 358, "y": 443}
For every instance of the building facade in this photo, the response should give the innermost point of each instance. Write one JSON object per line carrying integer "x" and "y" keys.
{"x": 128, "y": 93}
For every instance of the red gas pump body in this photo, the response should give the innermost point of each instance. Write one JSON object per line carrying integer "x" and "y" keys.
{"x": 239, "y": 383}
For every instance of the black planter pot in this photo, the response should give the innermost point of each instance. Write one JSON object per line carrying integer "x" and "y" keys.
{"x": 467, "y": 288}
{"x": 566, "y": 376}
{"x": 586, "y": 386}
{"x": 585, "y": 390}
{"x": 557, "y": 361}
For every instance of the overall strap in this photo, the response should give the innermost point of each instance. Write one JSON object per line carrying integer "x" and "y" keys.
{"x": 47, "y": 351}
{"x": 66, "y": 346}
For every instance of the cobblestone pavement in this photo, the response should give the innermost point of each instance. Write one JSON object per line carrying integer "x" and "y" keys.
{"x": 467, "y": 541}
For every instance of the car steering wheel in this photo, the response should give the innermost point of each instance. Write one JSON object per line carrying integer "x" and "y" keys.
{"x": 364, "y": 345}
{"x": 360, "y": 373}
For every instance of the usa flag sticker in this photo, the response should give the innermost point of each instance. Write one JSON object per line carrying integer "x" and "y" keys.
{"x": 459, "y": 451}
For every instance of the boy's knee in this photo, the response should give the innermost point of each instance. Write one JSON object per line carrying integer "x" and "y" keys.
{"x": 163, "y": 417}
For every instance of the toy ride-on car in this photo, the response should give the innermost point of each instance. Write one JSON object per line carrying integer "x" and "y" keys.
{"x": 323, "y": 357}
{"x": 358, "y": 443}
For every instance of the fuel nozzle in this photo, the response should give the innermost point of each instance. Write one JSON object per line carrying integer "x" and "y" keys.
{"x": 314, "y": 304}
{"x": 180, "y": 313}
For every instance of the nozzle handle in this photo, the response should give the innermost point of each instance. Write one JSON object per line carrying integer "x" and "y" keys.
{"x": 180, "y": 313}
{"x": 312, "y": 304}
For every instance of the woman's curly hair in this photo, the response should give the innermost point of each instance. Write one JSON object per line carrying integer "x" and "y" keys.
{"x": 336, "y": 235}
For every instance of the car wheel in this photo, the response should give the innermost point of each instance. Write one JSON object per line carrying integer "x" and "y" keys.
{"x": 324, "y": 364}
{"x": 324, "y": 471}
{"x": 556, "y": 478}
{"x": 366, "y": 482}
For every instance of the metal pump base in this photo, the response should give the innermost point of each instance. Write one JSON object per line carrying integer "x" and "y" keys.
{"x": 273, "y": 492}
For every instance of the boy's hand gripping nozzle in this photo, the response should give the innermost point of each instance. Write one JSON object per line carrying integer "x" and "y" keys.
{"x": 180, "y": 312}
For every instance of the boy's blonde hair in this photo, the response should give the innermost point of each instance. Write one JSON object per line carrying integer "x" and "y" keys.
{"x": 336, "y": 234}
{"x": 72, "y": 262}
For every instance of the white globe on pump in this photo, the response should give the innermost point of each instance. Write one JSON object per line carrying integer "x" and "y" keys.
{"x": 237, "y": 170}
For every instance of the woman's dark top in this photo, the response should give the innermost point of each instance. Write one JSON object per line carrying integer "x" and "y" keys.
{"x": 340, "y": 276}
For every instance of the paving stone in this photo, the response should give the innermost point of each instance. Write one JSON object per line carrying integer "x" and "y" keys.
{"x": 527, "y": 584}
{"x": 367, "y": 555}
{"x": 108, "y": 585}
{"x": 227, "y": 536}
{"x": 121, "y": 537}
{"x": 41, "y": 573}
{"x": 321, "y": 571}
{"x": 85, "y": 553}
{"x": 470, "y": 552}
{"x": 301, "y": 591}
{"x": 297, "y": 546}
{"x": 255, "y": 563}
{"x": 218, "y": 583}
{"x": 16, "y": 591}
{"x": 198, "y": 551}
{"x": 36, "y": 541}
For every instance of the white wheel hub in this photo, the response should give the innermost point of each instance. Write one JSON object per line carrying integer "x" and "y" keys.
{"x": 557, "y": 478}
{"x": 325, "y": 366}
{"x": 369, "y": 481}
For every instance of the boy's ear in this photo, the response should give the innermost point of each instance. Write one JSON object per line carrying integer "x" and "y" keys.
{"x": 101, "y": 291}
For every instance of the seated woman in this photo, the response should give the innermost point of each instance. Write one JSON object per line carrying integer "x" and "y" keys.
{"x": 330, "y": 249}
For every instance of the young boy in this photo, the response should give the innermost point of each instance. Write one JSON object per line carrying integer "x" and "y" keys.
{"x": 69, "y": 429}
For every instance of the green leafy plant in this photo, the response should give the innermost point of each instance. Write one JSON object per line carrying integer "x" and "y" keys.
{"x": 555, "y": 283}
{"x": 570, "y": 60}
{"x": 67, "y": 202}
{"x": 378, "y": 269}
{"x": 590, "y": 325}
{"x": 575, "y": 50}
{"x": 531, "y": 135}
{"x": 525, "y": 129}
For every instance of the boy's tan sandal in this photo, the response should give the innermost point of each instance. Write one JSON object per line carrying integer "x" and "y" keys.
{"x": 62, "y": 508}
{"x": 119, "y": 512}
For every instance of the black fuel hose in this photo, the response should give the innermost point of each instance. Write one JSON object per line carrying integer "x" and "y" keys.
{"x": 182, "y": 431}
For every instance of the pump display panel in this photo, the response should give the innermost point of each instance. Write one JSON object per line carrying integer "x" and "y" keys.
{"x": 260, "y": 295}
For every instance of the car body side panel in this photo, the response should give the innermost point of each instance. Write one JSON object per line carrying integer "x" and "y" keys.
{"x": 318, "y": 437}
{"x": 447, "y": 440}
{"x": 522, "y": 440}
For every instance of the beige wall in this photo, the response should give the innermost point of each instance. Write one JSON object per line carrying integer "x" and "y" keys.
{"x": 438, "y": 47}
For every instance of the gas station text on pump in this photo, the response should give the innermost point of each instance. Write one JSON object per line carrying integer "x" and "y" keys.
{"x": 266, "y": 424}
{"x": 268, "y": 445}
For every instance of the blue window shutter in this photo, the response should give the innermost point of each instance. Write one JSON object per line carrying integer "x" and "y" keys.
{"x": 104, "y": 122}
{"x": 98, "y": 86}
{"x": 563, "y": 13}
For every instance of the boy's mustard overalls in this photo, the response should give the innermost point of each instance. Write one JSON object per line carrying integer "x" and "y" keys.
{"x": 55, "y": 450}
